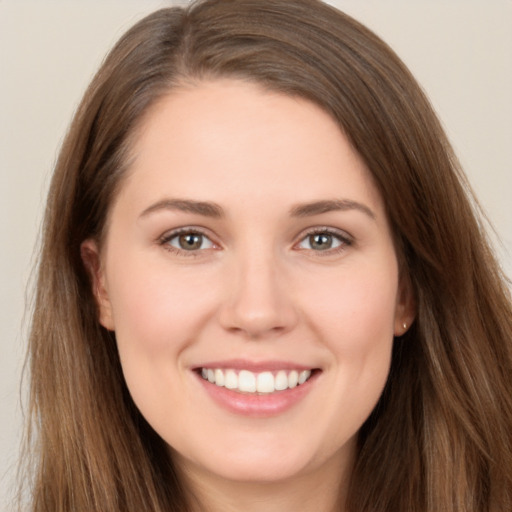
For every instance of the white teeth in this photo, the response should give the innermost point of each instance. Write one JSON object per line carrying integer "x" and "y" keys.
{"x": 281, "y": 381}
{"x": 247, "y": 381}
{"x": 293, "y": 379}
{"x": 231, "y": 379}
{"x": 304, "y": 376}
{"x": 250, "y": 382}
{"x": 265, "y": 382}
{"x": 219, "y": 377}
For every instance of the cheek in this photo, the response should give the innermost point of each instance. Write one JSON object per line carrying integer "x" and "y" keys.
{"x": 355, "y": 320}
{"x": 155, "y": 309}
{"x": 157, "y": 315}
{"x": 356, "y": 309}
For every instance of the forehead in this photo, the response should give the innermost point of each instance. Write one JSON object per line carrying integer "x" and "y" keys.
{"x": 228, "y": 137}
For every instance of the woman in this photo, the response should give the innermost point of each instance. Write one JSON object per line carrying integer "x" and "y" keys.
{"x": 262, "y": 285}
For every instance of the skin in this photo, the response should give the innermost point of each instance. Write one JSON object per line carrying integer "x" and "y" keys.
{"x": 256, "y": 289}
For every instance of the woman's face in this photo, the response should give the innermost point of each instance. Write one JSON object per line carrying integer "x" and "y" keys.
{"x": 250, "y": 277}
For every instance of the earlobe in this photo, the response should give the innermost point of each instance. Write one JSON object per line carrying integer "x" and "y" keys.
{"x": 405, "y": 307}
{"x": 89, "y": 253}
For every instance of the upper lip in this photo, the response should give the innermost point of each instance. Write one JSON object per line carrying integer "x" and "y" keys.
{"x": 254, "y": 366}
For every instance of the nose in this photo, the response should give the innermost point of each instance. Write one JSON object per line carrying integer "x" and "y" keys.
{"x": 258, "y": 302}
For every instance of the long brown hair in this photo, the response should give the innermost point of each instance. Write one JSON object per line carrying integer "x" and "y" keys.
{"x": 440, "y": 436}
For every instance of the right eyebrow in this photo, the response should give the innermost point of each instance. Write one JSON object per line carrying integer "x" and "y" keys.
{"x": 204, "y": 208}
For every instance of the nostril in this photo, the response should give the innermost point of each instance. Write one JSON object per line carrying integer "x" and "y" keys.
{"x": 255, "y": 321}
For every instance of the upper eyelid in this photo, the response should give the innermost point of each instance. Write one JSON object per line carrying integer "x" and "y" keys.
{"x": 344, "y": 235}
{"x": 185, "y": 229}
{"x": 170, "y": 234}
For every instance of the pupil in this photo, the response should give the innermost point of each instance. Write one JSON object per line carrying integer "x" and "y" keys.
{"x": 321, "y": 241}
{"x": 190, "y": 241}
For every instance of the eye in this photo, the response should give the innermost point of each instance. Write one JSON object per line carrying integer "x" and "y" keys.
{"x": 189, "y": 241}
{"x": 325, "y": 240}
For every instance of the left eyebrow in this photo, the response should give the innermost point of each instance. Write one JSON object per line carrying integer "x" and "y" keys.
{"x": 319, "y": 207}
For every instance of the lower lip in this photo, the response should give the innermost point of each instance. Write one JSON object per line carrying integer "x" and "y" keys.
{"x": 263, "y": 405}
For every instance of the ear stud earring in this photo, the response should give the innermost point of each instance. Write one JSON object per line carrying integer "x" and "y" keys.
{"x": 404, "y": 325}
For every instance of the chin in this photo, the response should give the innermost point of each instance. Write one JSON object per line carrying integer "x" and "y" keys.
{"x": 264, "y": 462}
{"x": 258, "y": 471}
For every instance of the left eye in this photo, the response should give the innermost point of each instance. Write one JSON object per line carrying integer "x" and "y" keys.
{"x": 190, "y": 241}
{"x": 321, "y": 241}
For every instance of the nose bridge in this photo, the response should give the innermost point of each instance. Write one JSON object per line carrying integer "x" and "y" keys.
{"x": 258, "y": 301}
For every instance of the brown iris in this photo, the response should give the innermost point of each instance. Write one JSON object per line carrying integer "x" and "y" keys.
{"x": 320, "y": 241}
{"x": 190, "y": 241}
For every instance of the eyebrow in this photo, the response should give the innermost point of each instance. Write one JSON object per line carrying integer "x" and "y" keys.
{"x": 205, "y": 208}
{"x": 213, "y": 210}
{"x": 331, "y": 205}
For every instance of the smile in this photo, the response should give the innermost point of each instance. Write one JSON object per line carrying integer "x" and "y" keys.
{"x": 245, "y": 381}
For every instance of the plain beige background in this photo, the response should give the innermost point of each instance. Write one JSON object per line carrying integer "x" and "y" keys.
{"x": 460, "y": 51}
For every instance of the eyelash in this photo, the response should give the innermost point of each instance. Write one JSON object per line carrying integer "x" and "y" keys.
{"x": 343, "y": 238}
{"x": 165, "y": 240}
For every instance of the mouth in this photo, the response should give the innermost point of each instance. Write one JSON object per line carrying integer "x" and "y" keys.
{"x": 256, "y": 383}
{"x": 258, "y": 389}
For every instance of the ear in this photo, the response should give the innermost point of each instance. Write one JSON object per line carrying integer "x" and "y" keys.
{"x": 405, "y": 311}
{"x": 90, "y": 254}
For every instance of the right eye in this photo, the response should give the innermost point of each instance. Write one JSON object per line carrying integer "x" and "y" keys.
{"x": 186, "y": 241}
